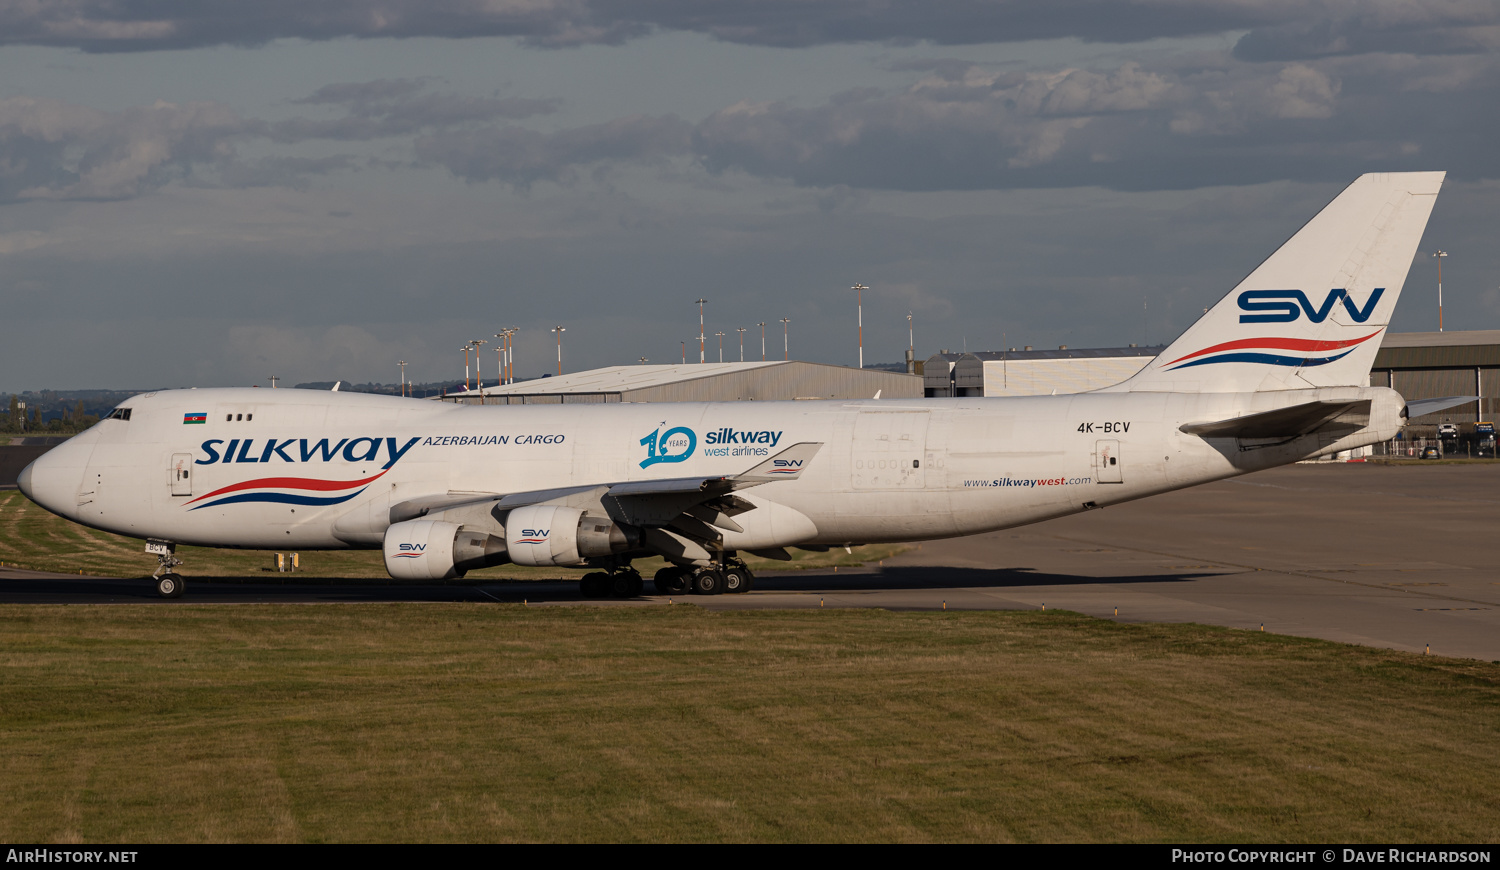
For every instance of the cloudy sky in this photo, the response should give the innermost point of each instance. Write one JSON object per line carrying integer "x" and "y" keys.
{"x": 210, "y": 193}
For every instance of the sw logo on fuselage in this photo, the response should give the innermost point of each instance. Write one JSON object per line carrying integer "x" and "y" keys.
{"x": 1285, "y": 306}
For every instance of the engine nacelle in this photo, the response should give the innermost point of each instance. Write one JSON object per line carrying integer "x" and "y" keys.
{"x": 546, "y": 535}
{"x": 436, "y": 550}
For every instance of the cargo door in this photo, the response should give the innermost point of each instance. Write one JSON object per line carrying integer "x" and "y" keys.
{"x": 888, "y": 449}
{"x": 182, "y": 474}
{"x": 1107, "y": 467}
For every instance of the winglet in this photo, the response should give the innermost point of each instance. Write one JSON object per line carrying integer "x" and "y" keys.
{"x": 786, "y": 465}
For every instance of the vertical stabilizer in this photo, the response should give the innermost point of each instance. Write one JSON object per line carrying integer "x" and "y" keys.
{"x": 1311, "y": 315}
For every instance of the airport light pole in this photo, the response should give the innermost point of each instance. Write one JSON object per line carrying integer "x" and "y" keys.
{"x": 478, "y": 375}
{"x": 274, "y": 379}
{"x": 510, "y": 353}
{"x": 402, "y": 364}
{"x": 859, "y": 296}
{"x": 466, "y": 368}
{"x": 721, "y": 345}
{"x": 559, "y": 330}
{"x": 762, "y": 326}
{"x": 643, "y": 360}
{"x": 700, "y": 330}
{"x": 741, "y": 331}
{"x": 1440, "y": 255}
{"x": 786, "y": 352}
{"x": 684, "y": 353}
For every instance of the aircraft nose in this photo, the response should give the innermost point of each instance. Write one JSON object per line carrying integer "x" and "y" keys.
{"x": 24, "y": 480}
{"x": 51, "y": 480}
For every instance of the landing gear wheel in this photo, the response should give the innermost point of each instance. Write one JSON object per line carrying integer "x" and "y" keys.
{"x": 170, "y": 586}
{"x": 671, "y": 580}
{"x": 736, "y": 579}
{"x": 626, "y": 584}
{"x": 707, "y": 581}
{"x": 594, "y": 585}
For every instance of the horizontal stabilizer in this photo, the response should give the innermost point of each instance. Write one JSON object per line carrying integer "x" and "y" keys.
{"x": 1290, "y": 422}
{"x": 1423, "y": 407}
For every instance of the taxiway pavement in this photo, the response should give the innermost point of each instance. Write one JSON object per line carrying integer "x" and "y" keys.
{"x": 1401, "y": 557}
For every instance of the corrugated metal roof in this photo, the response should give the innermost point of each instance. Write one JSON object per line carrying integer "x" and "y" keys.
{"x": 1430, "y": 350}
{"x": 613, "y": 379}
{"x": 1452, "y": 338}
{"x": 1070, "y": 353}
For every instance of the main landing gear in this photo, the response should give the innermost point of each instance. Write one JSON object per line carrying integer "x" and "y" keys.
{"x": 169, "y": 584}
{"x": 732, "y": 576}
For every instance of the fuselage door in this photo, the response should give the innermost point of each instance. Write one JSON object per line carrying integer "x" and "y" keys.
{"x": 888, "y": 449}
{"x": 1107, "y": 467}
{"x": 182, "y": 474}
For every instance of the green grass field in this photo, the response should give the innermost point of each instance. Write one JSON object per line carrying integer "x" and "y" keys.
{"x": 507, "y": 723}
{"x": 30, "y": 537}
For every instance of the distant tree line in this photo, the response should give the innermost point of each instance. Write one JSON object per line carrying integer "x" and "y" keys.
{"x": 48, "y": 413}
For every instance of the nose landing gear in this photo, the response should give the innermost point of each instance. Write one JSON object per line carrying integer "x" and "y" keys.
{"x": 168, "y": 583}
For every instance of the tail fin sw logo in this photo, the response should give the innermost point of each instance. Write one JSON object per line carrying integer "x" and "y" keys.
{"x": 1285, "y": 306}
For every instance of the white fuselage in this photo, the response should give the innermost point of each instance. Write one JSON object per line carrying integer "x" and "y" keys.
{"x": 305, "y": 469}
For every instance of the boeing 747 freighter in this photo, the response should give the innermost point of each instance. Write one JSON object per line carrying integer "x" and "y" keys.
{"x": 1276, "y": 372}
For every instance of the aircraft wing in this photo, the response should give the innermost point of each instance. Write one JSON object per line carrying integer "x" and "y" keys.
{"x": 1293, "y": 422}
{"x": 1423, "y": 407}
{"x": 693, "y": 505}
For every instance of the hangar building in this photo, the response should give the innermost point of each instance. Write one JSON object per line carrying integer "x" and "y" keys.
{"x": 1425, "y": 365}
{"x": 1032, "y": 372}
{"x": 1418, "y": 365}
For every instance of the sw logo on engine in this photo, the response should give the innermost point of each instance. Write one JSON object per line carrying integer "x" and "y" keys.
{"x": 1287, "y": 305}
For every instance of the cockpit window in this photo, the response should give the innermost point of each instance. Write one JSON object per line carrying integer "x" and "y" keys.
{"x": 119, "y": 414}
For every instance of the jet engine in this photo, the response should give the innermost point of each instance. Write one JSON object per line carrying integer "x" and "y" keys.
{"x": 547, "y": 535}
{"x": 435, "y": 550}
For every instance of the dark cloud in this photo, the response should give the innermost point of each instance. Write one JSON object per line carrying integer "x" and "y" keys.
{"x": 1390, "y": 27}
{"x": 1128, "y": 128}
{"x": 396, "y": 107}
{"x": 292, "y": 172}
{"x": 520, "y": 157}
{"x": 53, "y": 150}
{"x": 1277, "y": 29}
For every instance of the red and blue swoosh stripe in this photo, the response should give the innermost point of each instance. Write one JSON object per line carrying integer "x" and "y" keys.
{"x": 286, "y": 490}
{"x": 1271, "y": 351}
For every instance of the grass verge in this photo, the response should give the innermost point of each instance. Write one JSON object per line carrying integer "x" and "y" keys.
{"x": 506, "y": 723}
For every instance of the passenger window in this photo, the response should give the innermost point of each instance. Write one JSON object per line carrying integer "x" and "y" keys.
{"x": 249, "y": 417}
{"x": 239, "y": 416}
{"x": 228, "y": 418}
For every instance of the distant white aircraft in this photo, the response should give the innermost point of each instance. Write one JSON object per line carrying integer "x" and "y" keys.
{"x": 1276, "y": 372}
